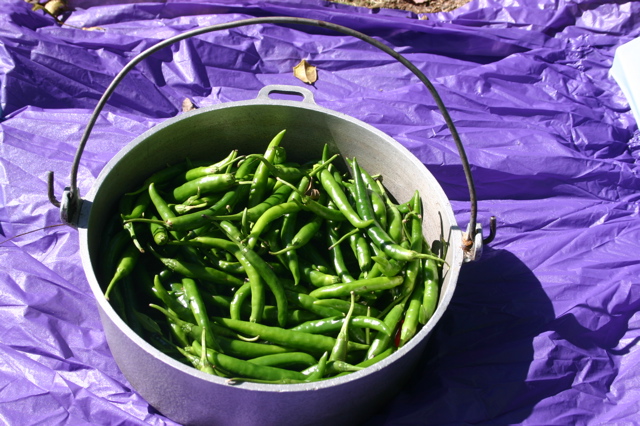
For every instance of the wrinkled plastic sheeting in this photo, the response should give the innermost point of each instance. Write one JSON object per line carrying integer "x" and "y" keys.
{"x": 542, "y": 330}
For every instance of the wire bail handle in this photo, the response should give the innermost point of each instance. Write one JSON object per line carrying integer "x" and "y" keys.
{"x": 71, "y": 201}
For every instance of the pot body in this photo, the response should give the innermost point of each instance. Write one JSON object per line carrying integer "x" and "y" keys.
{"x": 189, "y": 396}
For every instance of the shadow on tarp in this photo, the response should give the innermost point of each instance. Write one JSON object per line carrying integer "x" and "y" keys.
{"x": 476, "y": 363}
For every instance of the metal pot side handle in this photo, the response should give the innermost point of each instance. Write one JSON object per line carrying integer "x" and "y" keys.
{"x": 71, "y": 201}
{"x": 307, "y": 95}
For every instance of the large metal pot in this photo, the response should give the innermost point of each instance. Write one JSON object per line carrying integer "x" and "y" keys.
{"x": 189, "y": 396}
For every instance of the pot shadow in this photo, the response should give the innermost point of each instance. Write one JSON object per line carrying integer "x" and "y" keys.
{"x": 475, "y": 365}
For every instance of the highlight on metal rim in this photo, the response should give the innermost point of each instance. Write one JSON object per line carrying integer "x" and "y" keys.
{"x": 72, "y": 192}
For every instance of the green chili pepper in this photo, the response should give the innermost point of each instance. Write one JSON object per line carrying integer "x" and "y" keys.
{"x": 162, "y": 207}
{"x": 259, "y": 183}
{"x": 278, "y": 196}
{"x": 430, "y": 276}
{"x": 336, "y": 255}
{"x": 239, "y": 297}
{"x": 379, "y": 209}
{"x": 197, "y": 203}
{"x": 338, "y": 196}
{"x": 149, "y": 325}
{"x": 306, "y": 232}
{"x": 360, "y": 248}
{"x": 130, "y": 228}
{"x": 382, "y": 355}
{"x": 203, "y": 185}
{"x": 226, "y": 338}
{"x": 247, "y": 350}
{"x": 370, "y": 183}
{"x": 265, "y": 271}
{"x": 393, "y": 250}
{"x": 254, "y": 276}
{"x": 307, "y": 302}
{"x": 375, "y": 271}
{"x": 310, "y": 205}
{"x": 410, "y": 323}
{"x": 388, "y": 266}
{"x": 195, "y": 220}
{"x": 112, "y": 251}
{"x": 204, "y": 360}
{"x": 383, "y": 341}
{"x": 336, "y": 367}
{"x": 235, "y": 268}
{"x": 286, "y": 360}
{"x": 326, "y": 325}
{"x": 199, "y": 310}
{"x": 303, "y": 236}
{"x": 317, "y": 278}
{"x": 256, "y": 285}
{"x": 412, "y": 269}
{"x": 125, "y": 266}
{"x": 273, "y": 213}
{"x": 394, "y": 227}
{"x": 415, "y": 218}
{"x": 340, "y": 349}
{"x": 290, "y": 258}
{"x": 343, "y": 306}
{"x": 378, "y": 235}
{"x": 253, "y": 261}
{"x": 138, "y": 208}
{"x": 270, "y": 315}
{"x": 162, "y": 176}
{"x": 316, "y": 259}
{"x": 295, "y": 339}
{"x": 129, "y": 305}
{"x": 211, "y": 169}
{"x": 318, "y": 371}
{"x": 245, "y": 368}
{"x": 172, "y": 304}
{"x": 191, "y": 270}
{"x": 158, "y": 231}
{"x": 291, "y": 173}
{"x": 358, "y": 287}
{"x": 246, "y": 168}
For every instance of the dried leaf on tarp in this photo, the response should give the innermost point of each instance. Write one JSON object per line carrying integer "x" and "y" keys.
{"x": 35, "y": 4}
{"x": 55, "y": 7}
{"x": 93, "y": 29}
{"x": 187, "y": 105}
{"x": 306, "y": 72}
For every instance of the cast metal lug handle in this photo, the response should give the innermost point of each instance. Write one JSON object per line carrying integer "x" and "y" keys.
{"x": 70, "y": 207}
{"x": 307, "y": 95}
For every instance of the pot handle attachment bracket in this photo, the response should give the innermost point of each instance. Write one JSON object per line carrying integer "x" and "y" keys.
{"x": 473, "y": 247}
{"x": 69, "y": 205}
{"x": 71, "y": 201}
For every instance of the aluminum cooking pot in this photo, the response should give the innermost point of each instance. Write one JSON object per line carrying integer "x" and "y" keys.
{"x": 187, "y": 395}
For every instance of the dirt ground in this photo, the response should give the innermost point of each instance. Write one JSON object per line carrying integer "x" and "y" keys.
{"x": 416, "y": 6}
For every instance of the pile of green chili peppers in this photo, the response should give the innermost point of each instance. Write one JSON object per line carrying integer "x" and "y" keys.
{"x": 258, "y": 269}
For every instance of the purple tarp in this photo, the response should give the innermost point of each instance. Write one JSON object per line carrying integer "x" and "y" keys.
{"x": 543, "y": 329}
